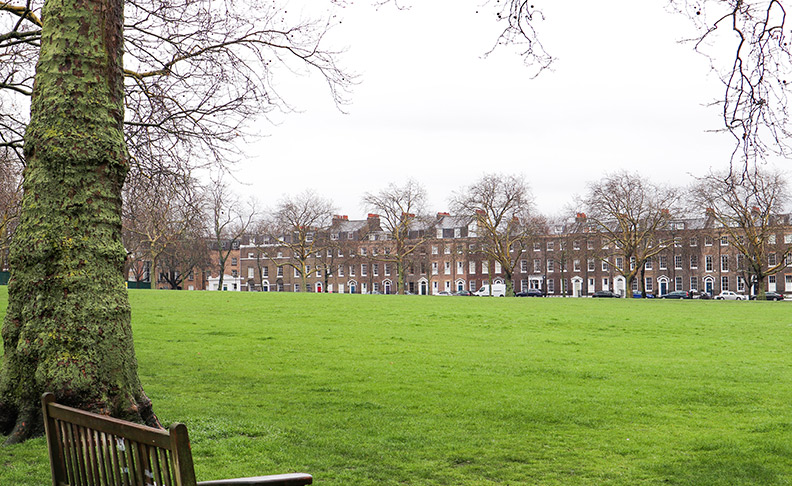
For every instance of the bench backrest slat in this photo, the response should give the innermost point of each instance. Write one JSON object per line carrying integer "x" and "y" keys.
{"x": 88, "y": 449}
{"x": 110, "y": 425}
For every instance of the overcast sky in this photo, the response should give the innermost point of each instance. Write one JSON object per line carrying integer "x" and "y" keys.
{"x": 623, "y": 94}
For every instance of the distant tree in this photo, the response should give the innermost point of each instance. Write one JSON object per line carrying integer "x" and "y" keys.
{"x": 326, "y": 258}
{"x": 10, "y": 198}
{"x": 262, "y": 244}
{"x": 402, "y": 212}
{"x": 749, "y": 207}
{"x": 182, "y": 258}
{"x": 630, "y": 213}
{"x": 229, "y": 220}
{"x": 296, "y": 225}
{"x": 501, "y": 207}
{"x": 159, "y": 214}
{"x": 567, "y": 236}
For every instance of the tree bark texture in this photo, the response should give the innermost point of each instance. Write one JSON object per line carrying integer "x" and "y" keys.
{"x": 67, "y": 329}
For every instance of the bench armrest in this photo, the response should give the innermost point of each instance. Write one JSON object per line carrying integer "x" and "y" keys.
{"x": 296, "y": 479}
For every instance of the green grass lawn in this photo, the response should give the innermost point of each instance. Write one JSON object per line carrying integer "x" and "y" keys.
{"x": 449, "y": 390}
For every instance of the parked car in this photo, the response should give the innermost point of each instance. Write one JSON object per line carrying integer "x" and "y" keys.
{"x": 498, "y": 290}
{"x": 677, "y": 294}
{"x": 445, "y": 293}
{"x": 463, "y": 293}
{"x": 771, "y": 296}
{"x": 729, "y": 295}
{"x": 637, "y": 295}
{"x": 604, "y": 294}
{"x": 529, "y": 293}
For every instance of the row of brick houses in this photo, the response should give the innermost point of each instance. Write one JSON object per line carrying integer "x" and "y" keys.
{"x": 569, "y": 259}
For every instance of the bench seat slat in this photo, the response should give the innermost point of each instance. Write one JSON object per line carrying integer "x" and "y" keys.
{"x": 295, "y": 479}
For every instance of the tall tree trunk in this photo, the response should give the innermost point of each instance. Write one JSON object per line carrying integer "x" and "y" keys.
{"x": 67, "y": 329}
{"x": 154, "y": 273}
{"x": 758, "y": 279}
{"x": 222, "y": 272}
{"x": 400, "y": 271}
{"x": 643, "y": 280}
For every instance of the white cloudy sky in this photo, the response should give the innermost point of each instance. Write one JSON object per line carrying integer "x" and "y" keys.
{"x": 623, "y": 94}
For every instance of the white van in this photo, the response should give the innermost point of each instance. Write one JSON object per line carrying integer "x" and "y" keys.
{"x": 498, "y": 290}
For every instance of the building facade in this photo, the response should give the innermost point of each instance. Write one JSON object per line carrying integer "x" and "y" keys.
{"x": 571, "y": 259}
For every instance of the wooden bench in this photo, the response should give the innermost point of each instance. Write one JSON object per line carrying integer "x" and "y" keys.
{"x": 87, "y": 449}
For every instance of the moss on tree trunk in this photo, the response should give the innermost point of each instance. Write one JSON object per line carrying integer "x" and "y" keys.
{"x": 67, "y": 328}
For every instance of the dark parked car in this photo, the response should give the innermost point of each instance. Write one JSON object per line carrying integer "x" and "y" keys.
{"x": 771, "y": 296}
{"x": 463, "y": 293}
{"x": 529, "y": 293}
{"x": 604, "y": 294}
{"x": 677, "y": 294}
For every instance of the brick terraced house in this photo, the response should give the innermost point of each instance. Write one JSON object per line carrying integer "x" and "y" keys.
{"x": 570, "y": 259}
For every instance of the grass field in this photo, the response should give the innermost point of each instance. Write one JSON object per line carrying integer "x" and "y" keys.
{"x": 415, "y": 390}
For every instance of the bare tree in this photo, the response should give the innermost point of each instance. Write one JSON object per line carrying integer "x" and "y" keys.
{"x": 10, "y": 198}
{"x": 262, "y": 244}
{"x": 501, "y": 207}
{"x": 160, "y": 212}
{"x": 182, "y": 257}
{"x": 630, "y": 212}
{"x": 567, "y": 234}
{"x": 402, "y": 212}
{"x": 229, "y": 220}
{"x": 296, "y": 224}
{"x": 749, "y": 207}
{"x": 195, "y": 72}
{"x": 327, "y": 257}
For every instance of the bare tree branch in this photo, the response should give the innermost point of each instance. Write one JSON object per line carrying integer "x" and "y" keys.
{"x": 756, "y": 78}
{"x": 520, "y": 18}
{"x": 197, "y": 74}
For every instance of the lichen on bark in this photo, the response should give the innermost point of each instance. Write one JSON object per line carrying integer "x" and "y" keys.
{"x": 67, "y": 328}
